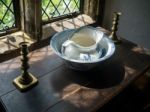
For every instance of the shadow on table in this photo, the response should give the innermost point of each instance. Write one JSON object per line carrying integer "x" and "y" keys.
{"x": 113, "y": 72}
{"x": 108, "y": 76}
{"x": 100, "y": 78}
{"x": 2, "y": 109}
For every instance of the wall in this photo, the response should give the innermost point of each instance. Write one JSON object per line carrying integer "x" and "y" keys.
{"x": 134, "y": 23}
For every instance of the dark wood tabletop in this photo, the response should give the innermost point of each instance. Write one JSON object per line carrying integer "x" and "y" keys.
{"x": 61, "y": 89}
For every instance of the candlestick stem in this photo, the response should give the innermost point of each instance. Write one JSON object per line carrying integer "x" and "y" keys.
{"x": 114, "y": 28}
{"x": 26, "y": 80}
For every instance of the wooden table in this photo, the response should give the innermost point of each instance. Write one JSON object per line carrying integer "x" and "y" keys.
{"x": 63, "y": 90}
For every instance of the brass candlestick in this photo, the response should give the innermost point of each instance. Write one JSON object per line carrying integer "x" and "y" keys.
{"x": 114, "y": 28}
{"x": 26, "y": 80}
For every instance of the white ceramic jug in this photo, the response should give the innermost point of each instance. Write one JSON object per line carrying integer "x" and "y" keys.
{"x": 83, "y": 45}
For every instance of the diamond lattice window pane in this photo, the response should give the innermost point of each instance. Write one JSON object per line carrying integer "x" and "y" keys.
{"x": 7, "y": 19}
{"x": 55, "y": 8}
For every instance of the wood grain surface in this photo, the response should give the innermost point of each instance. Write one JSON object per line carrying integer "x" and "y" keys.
{"x": 63, "y": 90}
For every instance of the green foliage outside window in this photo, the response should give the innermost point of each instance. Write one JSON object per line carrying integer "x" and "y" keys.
{"x": 54, "y": 8}
{"x": 6, "y": 14}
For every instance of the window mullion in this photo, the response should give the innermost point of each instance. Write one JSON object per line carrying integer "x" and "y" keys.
{"x": 16, "y": 6}
{"x": 33, "y": 22}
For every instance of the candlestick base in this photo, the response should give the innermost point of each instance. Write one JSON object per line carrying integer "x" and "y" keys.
{"x": 115, "y": 40}
{"x": 25, "y": 87}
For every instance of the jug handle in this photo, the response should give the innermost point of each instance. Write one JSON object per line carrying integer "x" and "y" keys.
{"x": 65, "y": 44}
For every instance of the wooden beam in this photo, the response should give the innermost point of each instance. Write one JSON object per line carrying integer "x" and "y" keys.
{"x": 16, "y": 7}
{"x": 33, "y": 18}
{"x": 91, "y": 8}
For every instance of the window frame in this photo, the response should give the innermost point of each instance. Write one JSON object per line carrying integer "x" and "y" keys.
{"x": 16, "y": 7}
{"x": 70, "y": 15}
{"x": 32, "y": 24}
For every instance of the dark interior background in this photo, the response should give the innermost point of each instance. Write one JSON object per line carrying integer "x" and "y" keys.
{"x": 134, "y": 23}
